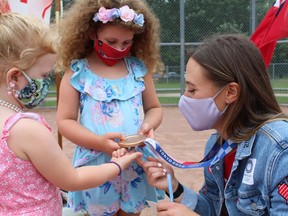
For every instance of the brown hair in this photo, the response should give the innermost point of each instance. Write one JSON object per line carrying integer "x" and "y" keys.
{"x": 234, "y": 58}
{"x": 77, "y": 25}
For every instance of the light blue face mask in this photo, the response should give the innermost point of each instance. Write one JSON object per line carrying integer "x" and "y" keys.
{"x": 36, "y": 90}
{"x": 201, "y": 114}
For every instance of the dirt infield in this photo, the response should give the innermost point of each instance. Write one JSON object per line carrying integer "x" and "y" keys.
{"x": 176, "y": 138}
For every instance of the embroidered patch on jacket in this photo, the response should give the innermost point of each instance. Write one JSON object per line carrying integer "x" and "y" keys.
{"x": 283, "y": 190}
{"x": 204, "y": 190}
{"x": 249, "y": 172}
{"x": 209, "y": 170}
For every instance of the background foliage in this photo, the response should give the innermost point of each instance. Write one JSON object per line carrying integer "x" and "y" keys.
{"x": 204, "y": 18}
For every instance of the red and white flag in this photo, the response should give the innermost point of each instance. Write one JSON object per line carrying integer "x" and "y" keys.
{"x": 37, "y": 8}
{"x": 273, "y": 27}
{"x": 4, "y": 6}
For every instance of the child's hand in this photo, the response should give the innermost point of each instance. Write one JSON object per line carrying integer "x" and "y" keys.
{"x": 119, "y": 152}
{"x": 147, "y": 130}
{"x": 125, "y": 158}
{"x": 109, "y": 144}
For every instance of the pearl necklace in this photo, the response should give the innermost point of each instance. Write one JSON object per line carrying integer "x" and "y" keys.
{"x": 10, "y": 106}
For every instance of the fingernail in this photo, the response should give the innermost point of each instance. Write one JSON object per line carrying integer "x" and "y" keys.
{"x": 159, "y": 165}
{"x": 164, "y": 171}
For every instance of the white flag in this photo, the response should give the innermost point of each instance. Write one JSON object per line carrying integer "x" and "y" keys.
{"x": 37, "y": 8}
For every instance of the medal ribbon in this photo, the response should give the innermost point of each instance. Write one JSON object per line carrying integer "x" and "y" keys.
{"x": 214, "y": 155}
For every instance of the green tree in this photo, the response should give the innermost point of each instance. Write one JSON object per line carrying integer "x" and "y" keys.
{"x": 203, "y": 18}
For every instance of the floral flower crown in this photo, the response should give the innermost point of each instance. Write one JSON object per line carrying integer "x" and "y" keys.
{"x": 124, "y": 13}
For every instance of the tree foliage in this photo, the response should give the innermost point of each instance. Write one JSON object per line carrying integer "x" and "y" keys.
{"x": 203, "y": 18}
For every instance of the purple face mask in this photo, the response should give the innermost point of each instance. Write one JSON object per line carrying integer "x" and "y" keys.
{"x": 201, "y": 114}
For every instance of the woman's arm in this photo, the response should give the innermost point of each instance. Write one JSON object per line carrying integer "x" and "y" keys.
{"x": 278, "y": 177}
{"x": 156, "y": 172}
{"x": 188, "y": 201}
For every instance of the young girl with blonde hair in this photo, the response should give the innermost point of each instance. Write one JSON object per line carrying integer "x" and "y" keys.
{"x": 32, "y": 165}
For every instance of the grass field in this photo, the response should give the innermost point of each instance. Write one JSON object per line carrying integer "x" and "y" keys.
{"x": 279, "y": 83}
{"x": 169, "y": 91}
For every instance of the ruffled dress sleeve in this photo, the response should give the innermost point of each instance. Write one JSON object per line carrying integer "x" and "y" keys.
{"x": 106, "y": 90}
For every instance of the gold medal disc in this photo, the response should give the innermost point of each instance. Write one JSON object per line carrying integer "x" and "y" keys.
{"x": 131, "y": 141}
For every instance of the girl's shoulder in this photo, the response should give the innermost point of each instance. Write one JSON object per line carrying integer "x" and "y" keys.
{"x": 136, "y": 66}
{"x": 78, "y": 65}
{"x": 80, "y": 73}
{"x": 11, "y": 121}
{"x": 136, "y": 62}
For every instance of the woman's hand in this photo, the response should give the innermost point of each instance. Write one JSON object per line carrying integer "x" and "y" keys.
{"x": 167, "y": 208}
{"x": 124, "y": 158}
{"x": 156, "y": 172}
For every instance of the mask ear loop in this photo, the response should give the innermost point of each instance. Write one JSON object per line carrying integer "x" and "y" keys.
{"x": 219, "y": 92}
{"x": 26, "y": 76}
{"x": 226, "y": 107}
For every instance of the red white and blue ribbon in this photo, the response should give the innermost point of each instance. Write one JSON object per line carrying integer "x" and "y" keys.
{"x": 215, "y": 154}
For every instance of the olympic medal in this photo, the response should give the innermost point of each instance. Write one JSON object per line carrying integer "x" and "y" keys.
{"x": 131, "y": 141}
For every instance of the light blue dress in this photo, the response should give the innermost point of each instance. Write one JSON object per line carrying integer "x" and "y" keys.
{"x": 111, "y": 106}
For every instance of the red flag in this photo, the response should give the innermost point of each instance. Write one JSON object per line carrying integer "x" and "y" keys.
{"x": 273, "y": 27}
{"x": 4, "y": 6}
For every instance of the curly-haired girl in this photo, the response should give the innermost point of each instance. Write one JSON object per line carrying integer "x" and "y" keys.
{"x": 108, "y": 50}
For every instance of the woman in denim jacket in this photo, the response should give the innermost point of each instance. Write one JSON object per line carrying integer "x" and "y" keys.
{"x": 228, "y": 89}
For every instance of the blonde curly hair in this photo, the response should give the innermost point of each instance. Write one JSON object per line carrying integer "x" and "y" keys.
{"x": 23, "y": 40}
{"x": 77, "y": 26}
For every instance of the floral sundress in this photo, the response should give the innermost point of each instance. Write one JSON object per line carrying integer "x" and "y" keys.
{"x": 111, "y": 106}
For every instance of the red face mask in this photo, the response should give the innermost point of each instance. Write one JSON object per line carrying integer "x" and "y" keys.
{"x": 108, "y": 54}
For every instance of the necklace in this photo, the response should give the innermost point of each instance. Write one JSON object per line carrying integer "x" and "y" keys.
{"x": 10, "y": 106}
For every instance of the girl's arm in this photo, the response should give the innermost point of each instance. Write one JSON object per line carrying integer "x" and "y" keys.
{"x": 69, "y": 127}
{"x": 152, "y": 108}
{"x": 31, "y": 140}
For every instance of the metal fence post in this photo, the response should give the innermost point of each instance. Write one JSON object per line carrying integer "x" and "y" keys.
{"x": 182, "y": 44}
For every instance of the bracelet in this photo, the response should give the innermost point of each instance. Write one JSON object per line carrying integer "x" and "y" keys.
{"x": 178, "y": 191}
{"x": 120, "y": 169}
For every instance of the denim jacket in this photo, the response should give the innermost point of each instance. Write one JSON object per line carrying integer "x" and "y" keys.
{"x": 258, "y": 183}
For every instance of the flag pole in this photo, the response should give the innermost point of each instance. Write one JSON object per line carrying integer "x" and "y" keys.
{"x": 58, "y": 78}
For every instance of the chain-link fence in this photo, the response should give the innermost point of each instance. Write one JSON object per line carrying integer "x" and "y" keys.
{"x": 185, "y": 23}
{"x": 201, "y": 19}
